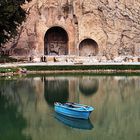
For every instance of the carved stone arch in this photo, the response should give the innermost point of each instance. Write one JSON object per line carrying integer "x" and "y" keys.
{"x": 88, "y": 47}
{"x": 56, "y": 41}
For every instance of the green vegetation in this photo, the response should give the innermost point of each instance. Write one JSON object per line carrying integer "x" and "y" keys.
{"x": 83, "y": 67}
{"x": 125, "y": 70}
{"x": 12, "y": 122}
{"x": 6, "y": 59}
{"x": 8, "y": 70}
{"x": 11, "y": 16}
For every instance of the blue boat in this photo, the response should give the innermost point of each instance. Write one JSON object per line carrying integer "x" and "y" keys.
{"x": 73, "y": 110}
{"x": 84, "y": 124}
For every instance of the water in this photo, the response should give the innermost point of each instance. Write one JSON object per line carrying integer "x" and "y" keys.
{"x": 27, "y": 111}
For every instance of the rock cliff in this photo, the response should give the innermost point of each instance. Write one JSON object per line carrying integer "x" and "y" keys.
{"x": 112, "y": 25}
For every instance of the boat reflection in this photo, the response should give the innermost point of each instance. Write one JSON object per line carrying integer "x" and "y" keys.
{"x": 74, "y": 123}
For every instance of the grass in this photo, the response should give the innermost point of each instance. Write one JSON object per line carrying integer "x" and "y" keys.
{"x": 83, "y": 67}
{"x": 124, "y": 70}
{"x": 8, "y": 70}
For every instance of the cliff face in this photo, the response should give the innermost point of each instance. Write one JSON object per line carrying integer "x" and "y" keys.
{"x": 114, "y": 23}
{"x": 101, "y": 28}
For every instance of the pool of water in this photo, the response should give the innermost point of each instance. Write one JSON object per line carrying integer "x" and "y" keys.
{"x": 27, "y": 110}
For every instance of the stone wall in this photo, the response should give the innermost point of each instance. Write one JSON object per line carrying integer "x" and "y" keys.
{"x": 113, "y": 24}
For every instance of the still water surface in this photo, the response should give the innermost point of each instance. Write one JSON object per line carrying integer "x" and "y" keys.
{"x": 27, "y": 111}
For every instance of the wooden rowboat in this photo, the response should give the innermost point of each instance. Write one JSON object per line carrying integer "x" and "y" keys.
{"x": 73, "y": 110}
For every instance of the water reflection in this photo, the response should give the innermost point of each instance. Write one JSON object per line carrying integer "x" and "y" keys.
{"x": 11, "y": 121}
{"x": 88, "y": 85}
{"x": 56, "y": 90}
{"x": 25, "y": 110}
{"x": 74, "y": 123}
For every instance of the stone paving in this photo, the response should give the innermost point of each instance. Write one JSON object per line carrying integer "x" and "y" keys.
{"x": 63, "y": 63}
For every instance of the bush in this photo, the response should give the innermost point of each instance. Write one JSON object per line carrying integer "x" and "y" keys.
{"x": 6, "y": 59}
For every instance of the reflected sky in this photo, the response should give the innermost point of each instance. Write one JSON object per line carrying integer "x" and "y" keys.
{"x": 29, "y": 101}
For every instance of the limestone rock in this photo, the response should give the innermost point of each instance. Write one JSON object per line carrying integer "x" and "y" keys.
{"x": 114, "y": 25}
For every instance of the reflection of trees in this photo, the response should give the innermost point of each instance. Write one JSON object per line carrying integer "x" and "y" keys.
{"x": 17, "y": 105}
{"x": 14, "y": 89}
{"x": 88, "y": 86}
{"x": 12, "y": 122}
{"x": 56, "y": 91}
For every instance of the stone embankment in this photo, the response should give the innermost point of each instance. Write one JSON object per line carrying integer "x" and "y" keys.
{"x": 59, "y": 67}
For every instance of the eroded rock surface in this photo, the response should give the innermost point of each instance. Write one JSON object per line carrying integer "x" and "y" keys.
{"x": 114, "y": 25}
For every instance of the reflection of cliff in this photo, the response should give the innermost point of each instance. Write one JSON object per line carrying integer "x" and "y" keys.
{"x": 116, "y": 108}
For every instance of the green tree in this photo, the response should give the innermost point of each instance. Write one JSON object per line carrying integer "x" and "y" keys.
{"x": 11, "y": 16}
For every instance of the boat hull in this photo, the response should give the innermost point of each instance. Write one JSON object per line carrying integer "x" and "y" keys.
{"x": 81, "y": 114}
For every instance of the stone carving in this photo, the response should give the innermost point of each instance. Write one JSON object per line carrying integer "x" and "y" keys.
{"x": 56, "y": 49}
{"x": 56, "y": 40}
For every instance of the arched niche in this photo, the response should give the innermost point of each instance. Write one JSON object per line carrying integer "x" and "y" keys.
{"x": 56, "y": 41}
{"x": 88, "y": 47}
